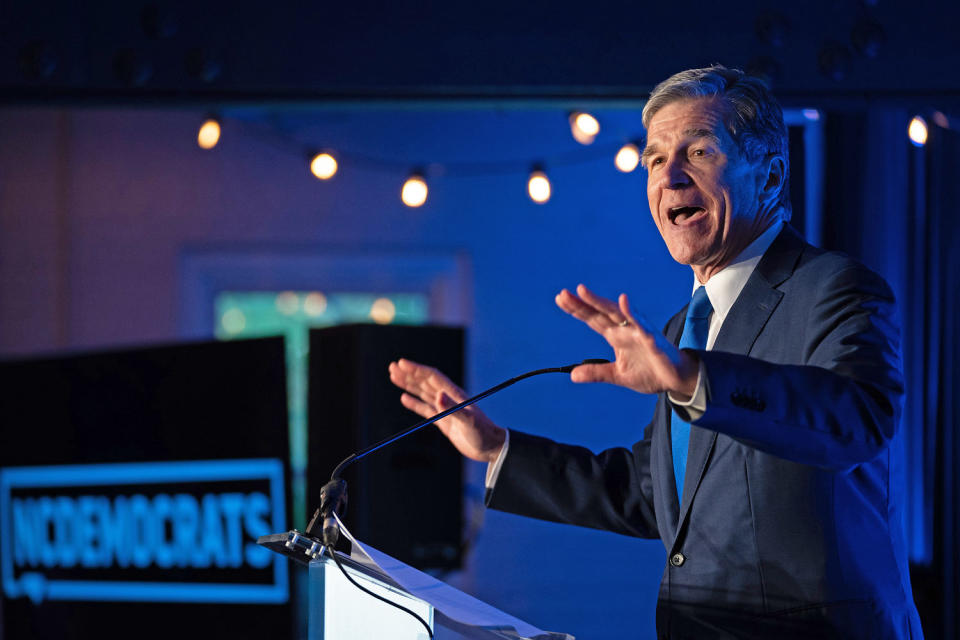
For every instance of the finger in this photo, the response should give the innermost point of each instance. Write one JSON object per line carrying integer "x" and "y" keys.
{"x": 439, "y": 383}
{"x": 608, "y": 308}
{"x": 582, "y": 311}
{"x": 624, "y": 304}
{"x": 593, "y": 373}
{"x": 407, "y": 371}
{"x": 601, "y": 304}
{"x": 427, "y": 376}
{"x": 637, "y": 319}
{"x": 629, "y": 316}
{"x": 425, "y": 381}
{"x": 570, "y": 303}
{"x": 405, "y": 381}
{"x": 417, "y": 405}
{"x": 413, "y": 369}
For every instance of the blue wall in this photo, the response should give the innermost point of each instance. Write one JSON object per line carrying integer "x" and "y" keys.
{"x": 101, "y": 206}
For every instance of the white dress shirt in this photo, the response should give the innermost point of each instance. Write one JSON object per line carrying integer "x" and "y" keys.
{"x": 723, "y": 288}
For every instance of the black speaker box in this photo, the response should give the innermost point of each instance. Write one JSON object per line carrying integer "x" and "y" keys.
{"x": 407, "y": 498}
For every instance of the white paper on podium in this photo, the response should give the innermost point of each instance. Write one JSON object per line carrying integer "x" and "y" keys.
{"x": 453, "y": 609}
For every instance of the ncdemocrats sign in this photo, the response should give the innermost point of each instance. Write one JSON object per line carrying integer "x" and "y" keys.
{"x": 148, "y": 532}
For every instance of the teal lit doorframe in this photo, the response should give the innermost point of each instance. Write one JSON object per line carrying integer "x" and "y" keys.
{"x": 442, "y": 278}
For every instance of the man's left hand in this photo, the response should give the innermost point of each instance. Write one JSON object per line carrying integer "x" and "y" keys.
{"x": 645, "y": 360}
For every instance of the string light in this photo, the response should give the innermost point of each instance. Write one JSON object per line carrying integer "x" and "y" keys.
{"x": 323, "y": 166}
{"x": 382, "y": 311}
{"x": 584, "y": 127}
{"x": 287, "y": 303}
{"x": 628, "y": 157}
{"x": 538, "y": 186}
{"x": 917, "y": 131}
{"x": 209, "y": 134}
{"x": 414, "y": 192}
{"x": 315, "y": 304}
{"x": 233, "y": 321}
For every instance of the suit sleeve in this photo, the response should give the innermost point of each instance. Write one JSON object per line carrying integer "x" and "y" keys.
{"x": 837, "y": 409}
{"x": 611, "y": 490}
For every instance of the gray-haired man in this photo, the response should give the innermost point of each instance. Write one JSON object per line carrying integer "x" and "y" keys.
{"x": 766, "y": 468}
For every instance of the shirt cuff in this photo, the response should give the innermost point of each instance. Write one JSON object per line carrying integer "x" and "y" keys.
{"x": 493, "y": 468}
{"x": 694, "y": 408}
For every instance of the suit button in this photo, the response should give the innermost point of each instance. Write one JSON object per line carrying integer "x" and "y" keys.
{"x": 677, "y": 559}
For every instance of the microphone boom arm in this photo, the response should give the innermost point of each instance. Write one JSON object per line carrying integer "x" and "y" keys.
{"x": 333, "y": 495}
{"x": 353, "y": 457}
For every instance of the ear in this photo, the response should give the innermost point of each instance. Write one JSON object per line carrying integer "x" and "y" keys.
{"x": 772, "y": 178}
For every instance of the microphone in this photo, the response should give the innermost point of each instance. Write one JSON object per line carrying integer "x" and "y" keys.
{"x": 333, "y": 495}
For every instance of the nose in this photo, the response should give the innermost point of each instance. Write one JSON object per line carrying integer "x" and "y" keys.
{"x": 675, "y": 173}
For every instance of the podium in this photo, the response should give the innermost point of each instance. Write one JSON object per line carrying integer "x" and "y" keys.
{"x": 338, "y": 610}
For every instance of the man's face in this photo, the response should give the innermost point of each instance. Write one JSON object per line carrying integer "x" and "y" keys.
{"x": 703, "y": 195}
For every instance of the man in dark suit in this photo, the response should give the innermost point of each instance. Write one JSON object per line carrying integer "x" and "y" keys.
{"x": 766, "y": 468}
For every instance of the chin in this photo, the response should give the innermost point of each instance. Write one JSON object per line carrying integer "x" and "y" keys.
{"x": 683, "y": 256}
{"x": 685, "y": 251}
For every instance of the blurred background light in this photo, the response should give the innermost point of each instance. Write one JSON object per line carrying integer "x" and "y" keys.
{"x": 382, "y": 311}
{"x": 414, "y": 192}
{"x": 233, "y": 321}
{"x": 324, "y": 166}
{"x": 314, "y": 304}
{"x": 584, "y": 127}
{"x": 917, "y": 131}
{"x": 538, "y": 186}
{"x": 209, "y": 134}
{"x": 287, "y": 303}
{"x": 628, "y": 157}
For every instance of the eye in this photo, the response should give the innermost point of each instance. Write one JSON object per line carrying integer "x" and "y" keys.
{"x": 698, "y": 152}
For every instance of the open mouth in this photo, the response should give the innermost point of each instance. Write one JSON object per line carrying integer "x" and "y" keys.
{"x": 679, "y": 215}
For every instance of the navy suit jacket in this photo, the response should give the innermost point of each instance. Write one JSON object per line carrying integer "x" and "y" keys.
{"x": 789, "y": 523}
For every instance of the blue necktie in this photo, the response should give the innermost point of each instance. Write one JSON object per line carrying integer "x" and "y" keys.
{"x": 695, "y": 330}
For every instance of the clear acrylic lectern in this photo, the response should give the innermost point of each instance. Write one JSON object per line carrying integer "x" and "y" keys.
{"x": 340, "y": 611}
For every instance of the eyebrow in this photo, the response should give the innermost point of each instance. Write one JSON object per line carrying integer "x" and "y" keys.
{"x": 651, "y": 149}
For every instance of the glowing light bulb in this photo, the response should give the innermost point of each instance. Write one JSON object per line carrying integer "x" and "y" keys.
{"x": 414, "y": 192}
{"x": 315, "y": 304}
{"x": 287, "y": 303}
{"x": 209, "y": 134}
{"x": 538, "y": 186}
{"x": 584, "y": 127}
{"x": 382, "y": 311}
{"x": 627, "y": 158}
{"x": 917, "y": 131}
{"x": 233, "y": 321}
{"x": 324, "y": 166}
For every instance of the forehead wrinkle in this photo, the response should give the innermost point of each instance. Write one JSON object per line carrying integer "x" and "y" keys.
{"x": 696, "y": 132}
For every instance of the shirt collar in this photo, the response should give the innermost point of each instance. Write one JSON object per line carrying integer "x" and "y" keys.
{"x": 725, "y": 285}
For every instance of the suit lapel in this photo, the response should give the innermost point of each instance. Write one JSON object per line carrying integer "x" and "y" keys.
{"x": 740, "y": 330}
{"x": 760, "y": 296}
